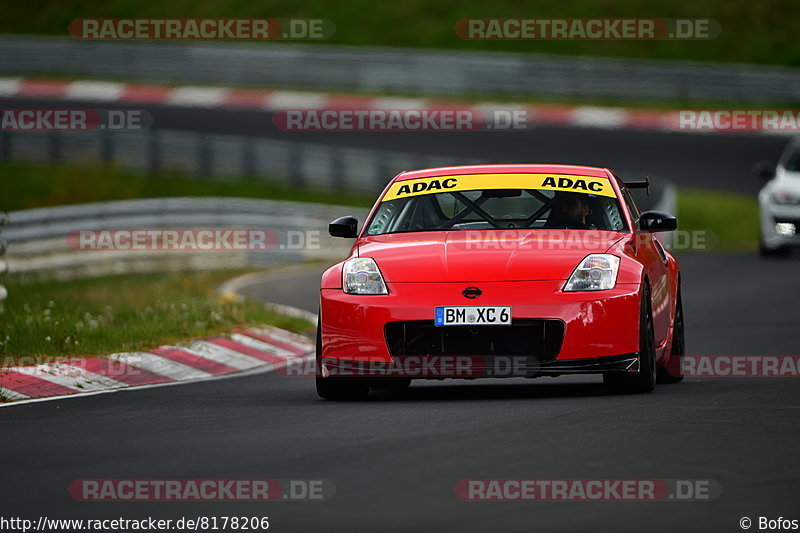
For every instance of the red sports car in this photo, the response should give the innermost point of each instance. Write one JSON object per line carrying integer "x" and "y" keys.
{"x": 501, "y": 271}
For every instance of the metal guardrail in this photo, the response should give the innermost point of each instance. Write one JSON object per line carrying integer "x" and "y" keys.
{"x": 338, "y": 169}
{"x": 3, "y": 264}
{"x": 38, "y": 243}
{"x": 403, "y": 70}
{"x": 296, "y": 164}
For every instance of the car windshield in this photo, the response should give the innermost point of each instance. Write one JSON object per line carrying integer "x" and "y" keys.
{"x": 558, "y": 203}
{"x": 792, "y": 160}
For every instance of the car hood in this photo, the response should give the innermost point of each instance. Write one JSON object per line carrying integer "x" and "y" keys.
{"x": 494, "y": 255}
{"x": 787, "y": 180}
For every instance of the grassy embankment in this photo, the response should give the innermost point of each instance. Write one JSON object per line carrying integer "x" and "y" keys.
{"x": 127, "y": 313}
{"x": 752, "y": 32}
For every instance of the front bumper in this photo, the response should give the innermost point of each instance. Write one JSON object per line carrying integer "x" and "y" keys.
{"x": 471, "y": 367}
{"x": 771, "y": 215}
{"x": 592, "y": 326}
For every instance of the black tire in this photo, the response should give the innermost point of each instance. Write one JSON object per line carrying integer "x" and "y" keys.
{"x": 337, "y": 388}
{"x": 342, "y": 389}
{"x": 644, "y": 380}
{"x": 780, "y": 251}
{"x": 394, "y": 384}
{"x": 673, "y": 372}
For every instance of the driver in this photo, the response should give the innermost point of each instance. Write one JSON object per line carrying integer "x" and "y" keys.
{"x": 569, "y": 210}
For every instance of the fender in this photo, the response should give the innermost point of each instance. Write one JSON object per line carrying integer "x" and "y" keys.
{"x": 332, "y": 277}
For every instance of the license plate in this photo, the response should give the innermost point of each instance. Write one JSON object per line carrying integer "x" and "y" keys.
{"x": 469, "y": 315}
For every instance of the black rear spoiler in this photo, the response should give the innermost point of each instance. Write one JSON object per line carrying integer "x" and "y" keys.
{"x": 638, "y": 184}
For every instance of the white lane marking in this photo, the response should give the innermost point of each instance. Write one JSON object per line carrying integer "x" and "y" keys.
{"x": 10, "y": 86}
{"x": 197, "y": 96}
{"x": 95, "y": 90}
{"x": 285, "y": 337}
{"x": 778, "y": 132}
{"x": 8, "y": 394}
{"x": 489, "y": 108}
{"x": 295, "y": 100}
{"x": 70, "y": 376}
{"x": 294, "y": 312}
{"x": 259, "y": 345}
{"x": 220, "y": 354}
{"x": 159, "y": 365}
{"x": 399, "y": 103}
{"x": 599, "y": 117}
{"x": 233, "y": 287}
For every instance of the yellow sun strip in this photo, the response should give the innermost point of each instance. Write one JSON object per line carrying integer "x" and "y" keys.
{"x": 474, "y": 182}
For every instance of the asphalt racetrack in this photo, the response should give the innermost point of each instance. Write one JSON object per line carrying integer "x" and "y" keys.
{"x": 395, "y": 459}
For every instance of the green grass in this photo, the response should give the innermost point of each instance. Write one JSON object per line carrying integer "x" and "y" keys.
{"x": 27, "y": 186}
{"x": 120, "y": 313}
{"x": 729, "y": 220}
{"x": 758, "y": 32}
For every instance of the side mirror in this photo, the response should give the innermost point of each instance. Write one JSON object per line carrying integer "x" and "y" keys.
{"x": 657, "y": 221}
{"x": 346, "y": 227}
{"x": 763, "y": 170}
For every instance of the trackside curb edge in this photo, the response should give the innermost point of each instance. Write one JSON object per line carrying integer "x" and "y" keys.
{"x": 259, "y": 348}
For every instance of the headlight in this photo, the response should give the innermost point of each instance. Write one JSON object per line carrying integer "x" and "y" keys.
{"x": 597, "y": 272}
{"x": 360, "y": 275}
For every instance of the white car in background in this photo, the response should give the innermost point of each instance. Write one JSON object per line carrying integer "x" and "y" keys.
{"x": 779, "y": 202}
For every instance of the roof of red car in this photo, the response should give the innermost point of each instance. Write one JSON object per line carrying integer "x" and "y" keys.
{"x": 594, "y": 172}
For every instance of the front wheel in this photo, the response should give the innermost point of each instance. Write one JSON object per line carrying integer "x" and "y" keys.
{"x": 391, "y": 384}
{"x": 673, "y": 372}
{"x": 645, "y": 379}
{"x": 337, "y": 388}
{"x": 765, "y": 251}
{"x": 342, "y": 389}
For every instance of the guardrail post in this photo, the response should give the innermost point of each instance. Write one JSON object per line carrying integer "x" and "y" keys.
{"x": 106, "y": 147}
{"x": 382, "y": 171}
{"x": 338, "y": 176}
{"x": 5, "y": 145}
{"x": 204, "y": 156}
{"x": 53, "y": 146}
{"x": 3, "y": 264}
{"x": 153, "y": 151}
{"x": 248, "y": 168}
{"x": 296, "y": 178}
